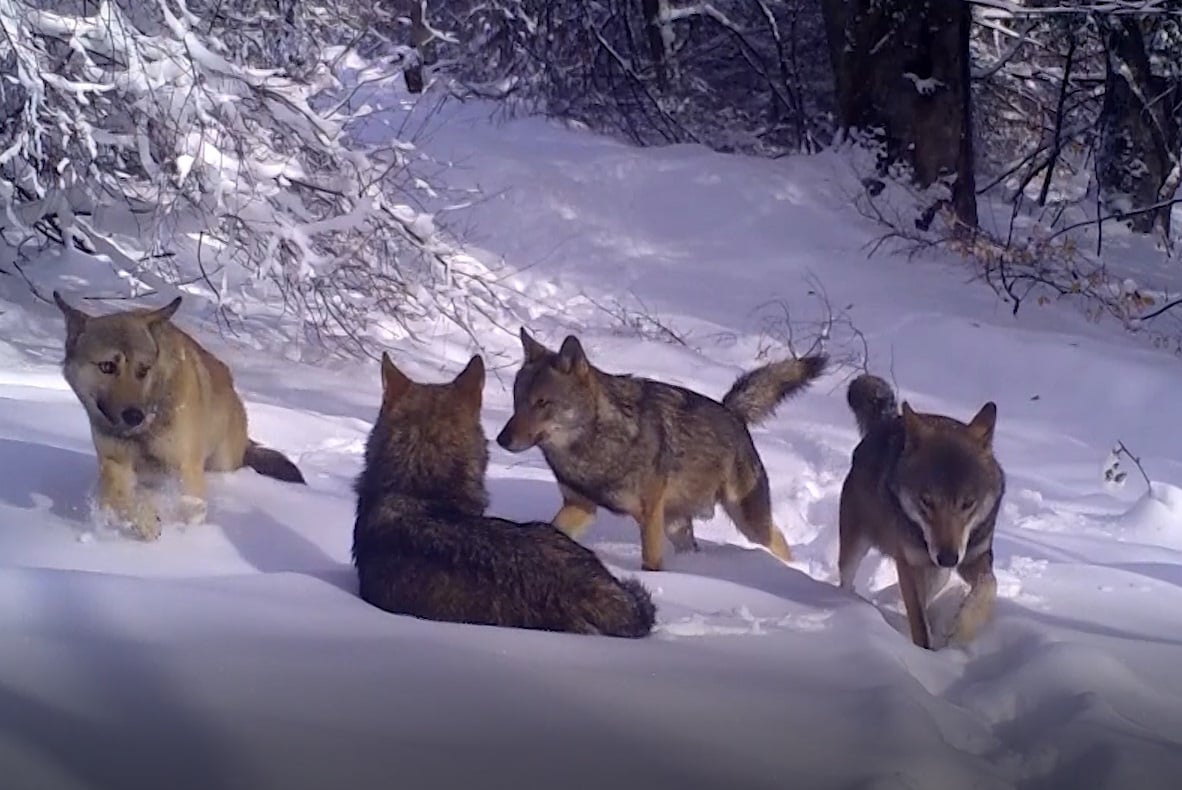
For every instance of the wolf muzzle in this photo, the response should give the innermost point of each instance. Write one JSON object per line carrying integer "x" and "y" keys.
{"x": 122, "y": 422}
{"x": 511, "y": 441}
{"x": 947, "y": 558}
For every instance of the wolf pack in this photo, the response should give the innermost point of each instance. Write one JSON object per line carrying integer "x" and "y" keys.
{"x": 922, "y": 489}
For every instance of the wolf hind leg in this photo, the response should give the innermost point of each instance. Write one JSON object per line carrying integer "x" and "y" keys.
{"x": 229, "y": 452}
{"x": 752, "y": 514}
{"x": 681, "y": 535}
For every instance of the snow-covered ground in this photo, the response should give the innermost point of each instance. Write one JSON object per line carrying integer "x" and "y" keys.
{"x": 235, "y": 653}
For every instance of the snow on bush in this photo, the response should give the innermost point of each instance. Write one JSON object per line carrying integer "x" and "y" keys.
{"x": 131, "y": 128}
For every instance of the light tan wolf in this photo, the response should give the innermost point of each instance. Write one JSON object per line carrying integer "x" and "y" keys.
{"x": 158, "y": 403}
{"x": 925, "y": 490}
{"x": 660, "y": 453}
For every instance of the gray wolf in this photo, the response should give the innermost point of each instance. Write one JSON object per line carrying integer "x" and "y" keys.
{"x": 924, "y": 490}
{"x": 422, "y": 545}
{"x": 158, "y": 403}
{"x": 660, "y": 453}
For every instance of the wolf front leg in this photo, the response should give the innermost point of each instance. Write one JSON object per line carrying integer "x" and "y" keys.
{"x": 118, "y": 492}
{"x": 977, "y": 608}
{"x": 911, "y": 585}
{"x": 575, "y": 515}
{"x": 651, "y": 520}
{"x": 183, "y": 452}
{"x": 193, "y": 505}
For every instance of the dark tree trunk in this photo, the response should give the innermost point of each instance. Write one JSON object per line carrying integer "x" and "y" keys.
{"x": 1138, "y": 132}
{"x": 420, "y": 35}
{"x": 656, "y": 40}
{"x": 902, "y": 68}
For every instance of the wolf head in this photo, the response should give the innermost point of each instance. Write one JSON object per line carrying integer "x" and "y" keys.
{"x": 553, "y": 396}
{"x": 947, "y": 480}
{"x": 114, "y": 365}
{"x": 428, "y": 441}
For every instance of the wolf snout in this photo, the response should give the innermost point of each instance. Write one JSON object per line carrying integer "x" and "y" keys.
{"x": 105, "y": 410}
{"x": 515, "y": 440}
{"x": 507, "y": 441}
{"x": 132, "y": 417}
{"x": 947, "y": 558}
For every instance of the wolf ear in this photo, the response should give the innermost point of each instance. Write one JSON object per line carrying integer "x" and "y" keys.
{"x": 395, "y": 383}
{"x": 912, "y": 424}
{"x": 162, "y": 314}
{"x": 571, "y": 357}
{"x": 470, "y": 382}
{"x": 982, "y": 425}
{"x": 75, "y": 318}
{"x": 533, "y": 349}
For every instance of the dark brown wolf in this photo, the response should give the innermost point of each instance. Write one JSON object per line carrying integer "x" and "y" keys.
{"x": 660, "y": 453}
{"x": 423, "y": 546}
{"x": 925, "y": 490}
{"x": 157, "y": 401}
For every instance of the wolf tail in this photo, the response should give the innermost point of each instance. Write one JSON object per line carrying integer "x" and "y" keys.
{"x": 757, "y": 393}
{"x": 638, "y": 621}
{"x": 872, "y": 401}
{"x": 271, "y": 463}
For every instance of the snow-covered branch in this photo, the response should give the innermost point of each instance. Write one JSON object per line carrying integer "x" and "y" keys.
{"x": 215, "y": 126}
{"x": 1012, "y": 8}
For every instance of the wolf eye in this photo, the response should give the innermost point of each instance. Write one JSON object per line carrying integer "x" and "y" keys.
{"x": 107, "y": 367}
{"x": 968, "y": 504}
{"x": 541, "y": 403}
{"x": 926, "y": 501}
{"x": 142, "y": 371}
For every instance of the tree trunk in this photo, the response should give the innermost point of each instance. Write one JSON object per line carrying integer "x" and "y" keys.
{"x": 1138, "y": 133}
{"x": 902, "y": 71}
{"x": 656, "y": 39}
{"x": 420, "y": 35}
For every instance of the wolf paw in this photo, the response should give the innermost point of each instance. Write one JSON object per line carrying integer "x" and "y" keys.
{"x": 140, "y": 519}
{"x": 684, "y": 541}
{"x": 145, "y": 522}
{"x": 191, "y": 509}
{"x": 949, "y": 638}
{"x": 958, "y": 634}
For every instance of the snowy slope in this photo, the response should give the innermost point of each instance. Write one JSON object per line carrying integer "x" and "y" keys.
{"x": 235, "y": 654}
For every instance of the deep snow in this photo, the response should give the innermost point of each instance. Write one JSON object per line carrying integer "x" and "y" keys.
{"x": 235, "y": 653}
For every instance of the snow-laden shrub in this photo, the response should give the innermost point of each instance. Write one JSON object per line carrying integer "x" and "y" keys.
{"x": 132, "y": 130}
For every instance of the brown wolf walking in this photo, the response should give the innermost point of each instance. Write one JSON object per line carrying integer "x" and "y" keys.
{"x": 423, "y": 546}
{"x": 925, "y": 490}
{"x": 157, "y": 402}
{"x": 660, "y": 453}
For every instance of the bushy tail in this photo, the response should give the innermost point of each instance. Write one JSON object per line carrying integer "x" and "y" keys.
{"x": 640, "y": 616}
{"x": 872, "y": 401}
{"x": 271, "y": 463}
{"x": 755, "y": 395}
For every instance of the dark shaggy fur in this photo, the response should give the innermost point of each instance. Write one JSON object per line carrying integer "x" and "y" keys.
{"x": 756, "y": 394}
{"x": 271, "y": 463}
{"x": 423, "y": 547}
{"x": 872, "y": 401}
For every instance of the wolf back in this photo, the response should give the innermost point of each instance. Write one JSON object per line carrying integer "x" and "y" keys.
{"x": 422, "y": 545}
{"x": 662, "y": 454}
